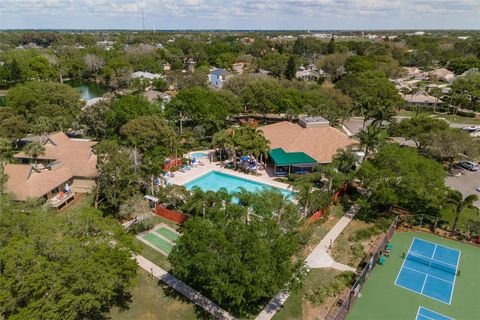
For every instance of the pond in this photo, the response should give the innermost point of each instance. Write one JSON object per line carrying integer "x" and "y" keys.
{"x": 87, "y": 90}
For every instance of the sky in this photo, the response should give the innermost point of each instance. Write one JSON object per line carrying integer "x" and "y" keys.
{"x": 240, "y": 14}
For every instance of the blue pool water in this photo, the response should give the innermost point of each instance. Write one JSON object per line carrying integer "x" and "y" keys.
{"x": 215, "y": 180}
{"x": 198, "y": 155}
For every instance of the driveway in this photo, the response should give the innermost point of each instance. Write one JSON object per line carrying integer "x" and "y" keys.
{"x": 466, "y": 183}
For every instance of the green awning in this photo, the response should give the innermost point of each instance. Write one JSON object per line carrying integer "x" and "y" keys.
{"x": 282, "y": 158}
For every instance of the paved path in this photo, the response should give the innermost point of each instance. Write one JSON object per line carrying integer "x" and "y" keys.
{"x": 184, "y": 289}
{"x": 318, "y": 258}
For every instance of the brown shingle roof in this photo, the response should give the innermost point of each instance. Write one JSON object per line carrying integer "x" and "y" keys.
{"x": 320, "y": 143}
{"x": 76, "y": 154}
{"x": 25, "y": 182}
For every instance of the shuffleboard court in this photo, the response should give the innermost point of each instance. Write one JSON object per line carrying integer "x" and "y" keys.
{"x": 167, "y": 233}
{"x": 426, "y": 314}
{"x": 158, "y": 242}
{"x": 429, "y": 269}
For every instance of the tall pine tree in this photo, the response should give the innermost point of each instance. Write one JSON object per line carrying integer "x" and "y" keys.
{"x": 331, "y": 46}
{"x": 291, "y": 68}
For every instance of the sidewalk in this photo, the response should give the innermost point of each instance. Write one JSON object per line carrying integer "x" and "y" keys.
{"x": 318, "y": 258}
{"x": 184, "y": 289}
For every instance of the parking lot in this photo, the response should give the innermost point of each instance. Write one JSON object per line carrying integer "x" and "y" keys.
{"x": 466, "y": 183}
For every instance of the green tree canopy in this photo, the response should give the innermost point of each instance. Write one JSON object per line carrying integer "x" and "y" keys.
{"x": 239, "y": 262}
{"x": 35, "y": 99}
{"x": 401, "y": 176}
{"x": 127, "y": 108}
{"x": 65, "y": 267}
{"x": 417, "y": 128}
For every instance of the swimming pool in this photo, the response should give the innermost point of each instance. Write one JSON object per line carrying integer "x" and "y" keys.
{"x": 215, "y": 180}
{"x": 199, "y": 154}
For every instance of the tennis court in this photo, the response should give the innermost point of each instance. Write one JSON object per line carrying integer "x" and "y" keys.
{"x": 429, "y": 269}
{"x": 381, "y": 299}
{"x": 426, "y": 314}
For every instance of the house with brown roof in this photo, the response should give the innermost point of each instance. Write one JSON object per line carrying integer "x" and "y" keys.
{"x": 442, "y": 74}
{"x": 312, "y": 141}
{"x": 421, "y": 99}
{"x": 67, "y": 166}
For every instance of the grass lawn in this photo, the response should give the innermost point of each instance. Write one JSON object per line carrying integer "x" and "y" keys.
{"x": 153, "y": 301}
{"x": 381, "y": 299}
{"x": 300, "y": 304}
{"x": 448, "y": 214}
{"x": 351, "y": 252}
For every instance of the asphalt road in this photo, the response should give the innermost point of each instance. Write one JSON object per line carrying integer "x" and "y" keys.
{"x": 356, "y": 124}
{"x": 466, "y": 183}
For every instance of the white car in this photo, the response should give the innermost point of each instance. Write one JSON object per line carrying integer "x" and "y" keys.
{"x": 471, "y": 128}
{"x": 478, "y": 189}
{"x": 469, "y": 165}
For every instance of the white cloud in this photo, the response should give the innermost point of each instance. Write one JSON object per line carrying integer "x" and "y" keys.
{"x": 243, "y": 14}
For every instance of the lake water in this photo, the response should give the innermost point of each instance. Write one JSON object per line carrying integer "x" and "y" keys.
{"x": 87, "y": 90}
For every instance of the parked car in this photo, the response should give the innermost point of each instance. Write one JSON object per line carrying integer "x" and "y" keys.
{"x": 469, "y": 165}
{"x": 471, "y": 128}
{"x": 478, "y": 189}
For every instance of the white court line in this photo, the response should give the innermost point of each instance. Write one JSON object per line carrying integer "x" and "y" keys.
{"x": 403, "y": 262}
{"x": 424, "y": 281}
{"x": 455, "y": 278}
{"x": 429, "y": 275}
{"x": 420, "y": 307}
{"x": 434, "y": 250}
{"x": 436, "y": 244}
{"x": 430, "y": 297}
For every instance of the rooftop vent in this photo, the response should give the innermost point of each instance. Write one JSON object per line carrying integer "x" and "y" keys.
{"x": 313, "y": 122}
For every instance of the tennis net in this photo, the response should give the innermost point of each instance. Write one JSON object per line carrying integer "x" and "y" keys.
{"x": 432, "y": 263}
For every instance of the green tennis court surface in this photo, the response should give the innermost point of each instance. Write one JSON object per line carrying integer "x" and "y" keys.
{"x": 381, "y": 299}
{"x": 159, "y": 242}
{"x": 167, "y": 233}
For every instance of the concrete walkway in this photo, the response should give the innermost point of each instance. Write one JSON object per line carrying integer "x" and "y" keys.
{"x": 184, "y": 289}
{"x": 318, "y": 258}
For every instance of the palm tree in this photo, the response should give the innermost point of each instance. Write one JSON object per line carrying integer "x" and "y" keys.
{"x": 371, "y": 138}
{"x": 221, "y": 140}
{"x": 455, "y": 198}
{"x": 345, "y": 160}
{"x": 34, "y": 149}
{"x": 252, "y": 141}
{"x": 304, "y": 187}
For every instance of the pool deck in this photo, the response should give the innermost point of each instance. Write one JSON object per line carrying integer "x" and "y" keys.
{"x": 182, "y": 178}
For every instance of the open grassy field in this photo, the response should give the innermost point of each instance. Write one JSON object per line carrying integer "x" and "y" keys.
{"x": 154, "y": 301}
{"x": 381, "y": 299}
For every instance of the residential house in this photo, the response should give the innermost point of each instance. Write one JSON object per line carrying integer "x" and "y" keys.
{"x": 146, "y": 75}
{"x": 299, "y": 147}
{"x": 107, "y": 45}
{"x": 167, "y": 67}
{"x": 310, "y": 73}
{"x": 412, "y": 71}
{"x": 421, "y": 99}
{"x": 238, "y": 67}
{"x": 217, "y": 77}
{"x": 157, "y": 96}
{"x": 442, "y": 74}
{"x": 68, "y": 166}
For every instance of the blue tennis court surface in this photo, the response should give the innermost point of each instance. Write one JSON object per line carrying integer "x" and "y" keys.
{"x": 429, "y": 269}
{"x": 426, "y": 314}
